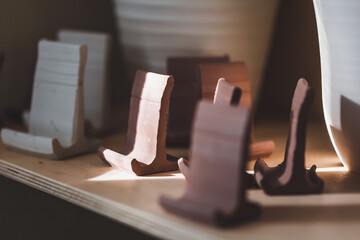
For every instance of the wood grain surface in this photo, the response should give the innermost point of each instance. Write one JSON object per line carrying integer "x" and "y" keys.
{"x": 86, "y": 181}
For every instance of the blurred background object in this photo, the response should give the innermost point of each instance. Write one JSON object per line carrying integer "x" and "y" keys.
{"x": 152, "y": 30}
{"x": 185, "y": 95}
{"x": 293, "y": 51}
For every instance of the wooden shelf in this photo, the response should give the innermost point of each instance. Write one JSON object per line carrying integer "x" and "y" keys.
{"x": 86, "y": 181}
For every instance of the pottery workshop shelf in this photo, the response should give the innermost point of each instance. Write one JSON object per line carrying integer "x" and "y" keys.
{"x": 87, "y": 182}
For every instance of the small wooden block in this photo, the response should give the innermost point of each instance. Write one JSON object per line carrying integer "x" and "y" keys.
{"x": 145, "y": 149}
{"x": 56, "y": 121}
{"x": 96, "y": 89}
{"x": 186, "y": 92}
{"x": 291, "y": 177}
{"x": 217, "y": 181}
{"x": 236, "y": 74}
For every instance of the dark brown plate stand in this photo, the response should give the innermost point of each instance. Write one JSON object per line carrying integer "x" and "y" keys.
{"x": 291, "y": 177}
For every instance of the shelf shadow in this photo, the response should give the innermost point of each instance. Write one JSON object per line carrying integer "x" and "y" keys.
{"x": 300, "y": 214}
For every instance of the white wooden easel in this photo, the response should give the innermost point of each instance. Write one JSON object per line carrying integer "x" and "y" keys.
{"x": 96, "y": 94}
{"x": 56, "y": 121}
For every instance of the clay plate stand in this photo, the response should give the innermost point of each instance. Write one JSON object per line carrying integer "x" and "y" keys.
{"x": 145, "y": 149}
{"x": 216, "y": 189}
{"x": 291, "y": 177}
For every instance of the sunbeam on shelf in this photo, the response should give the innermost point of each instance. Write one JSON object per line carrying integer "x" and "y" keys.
{"x": 116, "y": 175}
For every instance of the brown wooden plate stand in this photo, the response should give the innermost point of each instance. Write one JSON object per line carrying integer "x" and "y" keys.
{"x": 145, "y": 151}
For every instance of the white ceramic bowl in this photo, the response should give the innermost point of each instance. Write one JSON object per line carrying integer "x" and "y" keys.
{"x": 338, "y": 25}
{"x": 152, "y": 30}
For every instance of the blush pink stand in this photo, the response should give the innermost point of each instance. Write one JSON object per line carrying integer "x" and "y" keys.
{"x": 145, "y": 152}
{"x": 217, "y": 181}
{"x": 291, "y": 177}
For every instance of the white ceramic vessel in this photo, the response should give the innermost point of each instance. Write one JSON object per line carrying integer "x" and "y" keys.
{"x": 338, "y": 25}
{"x": 152, "y": 30}
{"x": 56, "y": 120}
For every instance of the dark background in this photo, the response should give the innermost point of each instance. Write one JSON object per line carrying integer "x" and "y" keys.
{"x": 26, "y": 213}
{"x": 24, "y": 22}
